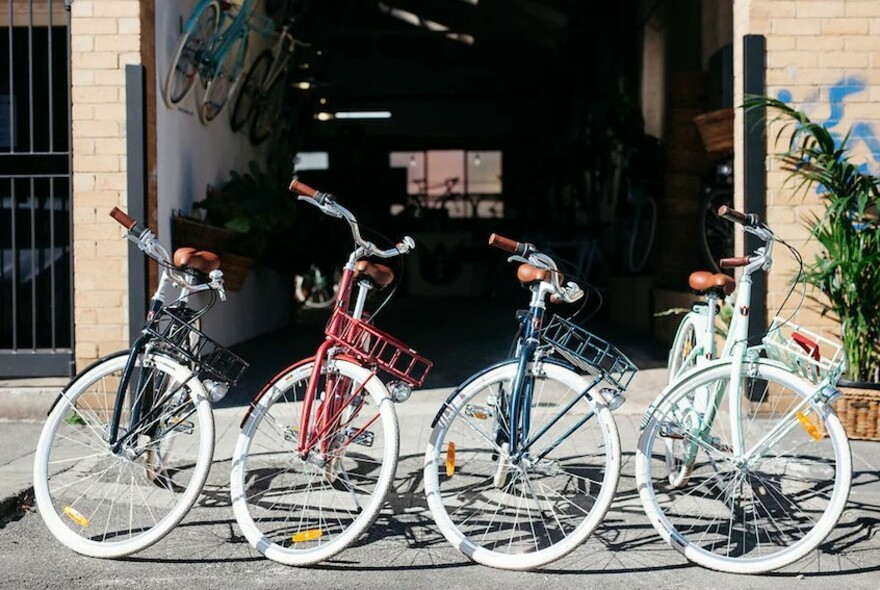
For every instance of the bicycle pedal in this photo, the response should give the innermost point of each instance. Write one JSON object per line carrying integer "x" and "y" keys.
{"x": 674, "y": 431}
{"x": 477, "y": 412}
{"x": 364, "y": 439}
{"x": 182, "y": 426}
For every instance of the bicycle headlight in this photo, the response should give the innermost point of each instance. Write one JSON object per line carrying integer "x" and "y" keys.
{"x": 399, "y": 391}
{"x": 216, "y": 390}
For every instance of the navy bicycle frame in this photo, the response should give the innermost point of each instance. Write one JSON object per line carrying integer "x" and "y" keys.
{"x": 520, "y": 402}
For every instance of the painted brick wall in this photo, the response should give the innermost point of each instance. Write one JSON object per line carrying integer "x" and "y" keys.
{"x": 823, "y": 57}
{"x": 105, "y": 36}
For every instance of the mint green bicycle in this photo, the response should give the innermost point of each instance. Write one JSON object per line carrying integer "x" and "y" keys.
{"x": 742, "y": 464}
{"x": 212, "y": 48}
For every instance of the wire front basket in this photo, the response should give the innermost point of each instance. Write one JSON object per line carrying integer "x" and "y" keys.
{"x": 588, "y": 353}
{"x": 374, "y": 347}
{"x": 176, "y": 335}
{"x": 805, "y": 353}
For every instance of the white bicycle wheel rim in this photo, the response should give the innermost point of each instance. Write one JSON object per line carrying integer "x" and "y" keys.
{"x": 675, "y": 357}
{"x": 178, "y": 50}
{"x": 113, "y": 549}
{"x": 572, "y": 541}
{"x": 745, "y": 565}
{"x": 391, "y": 432}
{"x": 236, "y": 53}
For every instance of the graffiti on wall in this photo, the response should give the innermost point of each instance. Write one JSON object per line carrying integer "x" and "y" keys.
{"x": 862, "y": 134}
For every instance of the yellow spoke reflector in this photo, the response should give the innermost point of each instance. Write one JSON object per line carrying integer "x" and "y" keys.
{"x": 450, "y": 459}
{"x": 309, "y": 535}
{"x": 74, "y": 515}
{"x": 809, "y": 426}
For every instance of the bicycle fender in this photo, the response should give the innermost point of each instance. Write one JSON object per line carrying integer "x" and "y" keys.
{"x": 79, "y": 375}
{"x": 693, "y": 374}
{"x": 475, "y": 376}
{"x": 281, "y": 374}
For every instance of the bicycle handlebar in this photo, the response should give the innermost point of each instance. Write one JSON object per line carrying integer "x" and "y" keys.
{"x": 303, "y": 189}
{"x": 526, "y": 252}
{"x": 734, "y": 262}
{"x": 326, "y": 203}
{"x": 508, "y": 245}
{"x": 153, "y": 248}
{"x": 732, "y": 215}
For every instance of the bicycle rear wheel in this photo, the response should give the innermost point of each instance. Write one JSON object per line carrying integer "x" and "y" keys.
{"x": 266, "y": 120}
{"x": 105, "y": 504}
{"x": 250, "y": 92}
{"x": 301, "y": 510}
{"x": 187, "y": 55}
{"x": 524, "y": 515}
{"x": 749, "y": 516}
{"x": 225, "y": 79}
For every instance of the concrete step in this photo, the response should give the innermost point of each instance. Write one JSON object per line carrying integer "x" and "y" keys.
{"x": 28, "y": 399}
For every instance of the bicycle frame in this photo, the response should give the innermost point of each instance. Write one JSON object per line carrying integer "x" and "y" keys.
{"x": 281, "y": 55}
{"x": 331, "y": 409}
{"x": 224, "y": 36}
{"x": 157, "y": 303}
{"x": 735, "y": 353}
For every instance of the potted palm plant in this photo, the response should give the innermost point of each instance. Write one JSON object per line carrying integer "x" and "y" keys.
{"x": 847, "y": 269}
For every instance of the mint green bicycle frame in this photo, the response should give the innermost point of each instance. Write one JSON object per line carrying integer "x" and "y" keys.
{"x": 736, "y": 354}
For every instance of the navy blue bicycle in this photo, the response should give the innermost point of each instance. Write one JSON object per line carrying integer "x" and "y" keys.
{"x": 524, "y": 457}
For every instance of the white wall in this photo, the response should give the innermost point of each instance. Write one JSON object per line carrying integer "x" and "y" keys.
{"x": 189, "y": 157}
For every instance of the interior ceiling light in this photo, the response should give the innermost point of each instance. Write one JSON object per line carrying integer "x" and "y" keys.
{"x": 416, "y": 20}
{"x": 304, "y": 85}
{"x": 477, "y": 160}
{"x": 363, "y": 115}
{"x": 324, "y": 116}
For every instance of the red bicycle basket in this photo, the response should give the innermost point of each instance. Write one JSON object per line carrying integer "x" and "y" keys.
{"x": 374, "y": 347}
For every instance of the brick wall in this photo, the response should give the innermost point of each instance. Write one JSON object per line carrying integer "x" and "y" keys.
{"x": 105, "y": 37}
{"x": 823, "y": 57}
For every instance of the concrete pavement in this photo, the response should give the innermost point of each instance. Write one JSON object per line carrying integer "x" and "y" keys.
{"x": 405, "y": 550}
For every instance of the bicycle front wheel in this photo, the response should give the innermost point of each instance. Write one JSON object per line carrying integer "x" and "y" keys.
{"x": 752, "y": 513}
{"x": 521, "y": 513}
{"x": 193, "y": 44}
{"x": 302, "y": 508}
{"x": 224, "y": 81}
{"x": 110, "y": 504}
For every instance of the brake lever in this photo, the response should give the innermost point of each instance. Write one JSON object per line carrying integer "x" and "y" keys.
{"x": 406, "y": 244}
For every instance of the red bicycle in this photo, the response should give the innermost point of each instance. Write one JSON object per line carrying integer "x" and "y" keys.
{"x": 319, "y": 445}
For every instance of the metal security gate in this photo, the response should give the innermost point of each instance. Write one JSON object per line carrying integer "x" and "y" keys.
{"x": 36, "y": 319}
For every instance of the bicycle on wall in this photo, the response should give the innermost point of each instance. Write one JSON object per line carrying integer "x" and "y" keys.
{"x": 128, "y": 443}
{"x": 261, "y": 97}
{"x": 742, "y": 464}
{"x": 319, "y": 446}
{"x": 212, "y": 48}
{"x": 524, "y": 457}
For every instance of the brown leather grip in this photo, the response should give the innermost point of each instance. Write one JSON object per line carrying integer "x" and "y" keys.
{"x": 734, "y": 262}
{"x": 123, "y": 219}
{"x": 503, "y": 243}
{"x": 302, "y": 189}
{"x": 731, "y": 214}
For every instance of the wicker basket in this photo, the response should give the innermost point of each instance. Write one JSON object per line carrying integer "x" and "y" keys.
{"x": 859, "y": 410}
{"x": 716, "y": 131}
{"x": 235, "y": 270}
{"x": 192, "y": 233}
